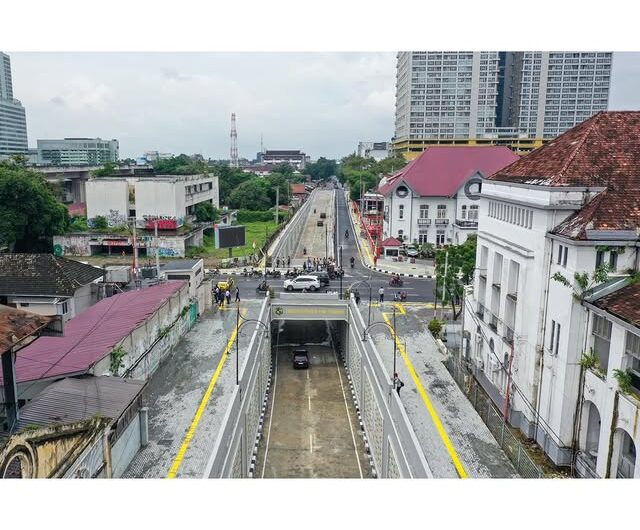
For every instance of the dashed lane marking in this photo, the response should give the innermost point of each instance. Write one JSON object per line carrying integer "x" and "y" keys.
{"x": 203, "y": 405}
{"x": 425, "y": 398}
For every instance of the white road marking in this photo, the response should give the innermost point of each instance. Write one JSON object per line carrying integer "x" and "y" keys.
{"x": 273, "y": 403}
{"x": 309, "y": 402}
{"x": 346, "y": 406}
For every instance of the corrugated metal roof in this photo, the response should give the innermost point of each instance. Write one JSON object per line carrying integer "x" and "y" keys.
{"x": 16, "y": 324}
{"x": 77, "y": 399}
{"x": 90, "y": 336}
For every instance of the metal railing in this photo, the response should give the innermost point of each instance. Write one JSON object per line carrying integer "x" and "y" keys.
{"x": 507, "y": 334}
{"x": 494, "y": 420}
{"x": 424, "y": 222}
{"x": 442, "y": 221}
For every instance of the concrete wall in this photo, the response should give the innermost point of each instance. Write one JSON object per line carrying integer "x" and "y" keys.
{"x": 289, "y": 238}
{"x": 160, "y": 198}
{"x": 126, "y": 447}
{"x": 108, "y": 198}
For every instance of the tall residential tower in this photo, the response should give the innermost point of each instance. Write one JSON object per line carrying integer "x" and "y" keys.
{"x": 518, "y": 99}
{"x": 13, "y": 122}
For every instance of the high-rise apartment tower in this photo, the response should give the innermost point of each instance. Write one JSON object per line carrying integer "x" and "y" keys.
{"x": 13, "y": 122}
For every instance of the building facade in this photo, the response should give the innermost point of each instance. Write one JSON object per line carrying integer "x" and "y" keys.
{"x": 296, "y": 159}
{"x": 566, "y": 209}
{"x": 506, "y": 98}
{"x": 376, "y": 150}
{"x": 13, "y": 121}
{"x": 434, "y": 199}
{"x": 77, "y": 152}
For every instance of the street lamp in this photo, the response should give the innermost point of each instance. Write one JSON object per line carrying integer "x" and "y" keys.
{"x": 238, "y": 326}
{"x": 393, "y": 337}
{"x": 369, "y": 310}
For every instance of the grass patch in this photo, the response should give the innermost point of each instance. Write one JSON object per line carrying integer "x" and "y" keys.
{"x": 257, "y": 231}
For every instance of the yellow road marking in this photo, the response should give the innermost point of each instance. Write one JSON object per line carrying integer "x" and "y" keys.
{"x": 408, "y": 304}
{"x": 432, "y": 412}
{"x": 402, "y": 310}
{"x": 203, "y": 404}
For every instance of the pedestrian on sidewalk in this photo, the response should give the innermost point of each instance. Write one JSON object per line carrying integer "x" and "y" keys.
{"x": 227, "y": 295}
{"x": 381, "y": 293}
{"x": 237, "y": 294}
{"x": 397, "y": 383}
{"x": 396, "y": 297}
{"x": 304, "y": 266}
{"x": 220, "y": 299}
{"x": 289, "y": 261}
{"x": 356, "y": 295}
{"x": 278, "y": 262}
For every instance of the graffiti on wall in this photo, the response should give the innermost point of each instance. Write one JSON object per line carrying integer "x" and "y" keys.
{"x": 168, "y": 252}
{"x": 165, "y": 222}
{"x": 114, "y": 219}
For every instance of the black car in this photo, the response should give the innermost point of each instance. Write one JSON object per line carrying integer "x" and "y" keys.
{"x": 322, "y": 276}
{"x": 300, "y": 359}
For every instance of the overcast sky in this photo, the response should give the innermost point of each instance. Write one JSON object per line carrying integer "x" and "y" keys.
{"x": 322, "y": 103}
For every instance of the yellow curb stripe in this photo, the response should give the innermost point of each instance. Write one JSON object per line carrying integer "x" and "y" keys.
{"x": 203, "y": 404}
{"x": 402, "y": 310}
{"x": 434, "y": 415}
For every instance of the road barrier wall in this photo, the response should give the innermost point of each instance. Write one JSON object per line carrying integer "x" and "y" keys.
{"x": 290, "y": 236}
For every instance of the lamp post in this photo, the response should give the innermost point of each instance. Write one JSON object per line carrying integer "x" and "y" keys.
{"x": 238, "y": 327}
{"x": 393, "y": 337}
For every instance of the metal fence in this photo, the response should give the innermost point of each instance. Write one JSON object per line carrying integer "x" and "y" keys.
{"x": 494, "y": 420}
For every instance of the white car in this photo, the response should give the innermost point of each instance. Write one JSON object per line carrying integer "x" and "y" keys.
{"x": 311, "y": 283}
{"x": 412, "y": 252}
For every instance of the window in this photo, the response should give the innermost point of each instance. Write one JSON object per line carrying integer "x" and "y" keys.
{"x": 401, "y": 211}
{"x": 473, "y": 212}
{"x": 442, "y": 211}
{"x": 601, "y": 331}
{"x": 613, "y": 261}
{"x": 440, "y": 237}
{"x": 424, "y": 211}
{"x": 599, "y": 258}
{"x": 562, "y": 255}
{"x": 400, "y": 234}
{"x": 555, "y": 338}
{"x": 463, "y": 215}
{"x": 422, "y": 238}
{"x": 632, "y": 349}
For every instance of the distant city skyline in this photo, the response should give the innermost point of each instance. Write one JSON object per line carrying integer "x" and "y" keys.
{"x": 321, "y": 103}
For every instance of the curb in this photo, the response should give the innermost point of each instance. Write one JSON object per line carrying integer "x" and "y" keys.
{"x": 425, "y": 276}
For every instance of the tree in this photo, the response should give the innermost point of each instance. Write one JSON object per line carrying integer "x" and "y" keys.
{"x": 30, "y": 214}
{"x": 99, "y": 222}
{"x": 322, "y": 169}
{"x": 252, "y": 195}
{"x": 108, "y": 169}
{"x": 205, "y": 212}
{"x": 277, "y": 180}
{"x": 584, "y": 283}
{"x": 460, "y": 261}
{"x": 284, "y": 169}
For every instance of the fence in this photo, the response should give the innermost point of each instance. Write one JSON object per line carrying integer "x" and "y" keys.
{"x": 494, "y": 420}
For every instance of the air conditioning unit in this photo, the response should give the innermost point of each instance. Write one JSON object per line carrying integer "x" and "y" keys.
{"x": 480, "y": 365}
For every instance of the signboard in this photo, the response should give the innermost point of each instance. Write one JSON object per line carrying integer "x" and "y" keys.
{"x": 306, "y": 312}
{"x": 230, "y": 236}
{"x": 164, "y": 222}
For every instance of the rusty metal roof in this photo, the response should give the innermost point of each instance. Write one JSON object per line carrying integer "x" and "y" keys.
{"x": 76, "y": 399}
{"x": 16, "y": 324}
{"x": 623, "y": 303}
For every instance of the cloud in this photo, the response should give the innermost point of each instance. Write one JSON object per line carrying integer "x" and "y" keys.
{"x": 58, "y": 100}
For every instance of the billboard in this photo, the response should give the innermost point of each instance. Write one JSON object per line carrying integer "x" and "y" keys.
{"x": 230, "y": 236}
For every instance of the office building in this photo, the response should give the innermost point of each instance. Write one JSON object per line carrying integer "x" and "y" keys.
{"x": 77, "y": 152}
{"x": 297, "y": 159}
{"x": 376, "y": 150}
{"x": 519, "y": 99}
{"x": 13, "y": 121}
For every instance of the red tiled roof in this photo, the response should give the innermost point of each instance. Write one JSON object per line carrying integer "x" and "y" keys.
{"x": 440, "y": 170}
{"x": 623, "y": 303}
{"x": 298, "y": 189}
{"x": 603, "y": 151}
{"x": 16, "y": 324}
{"x": 90, "y": 336}
{"x": 391, "y": 242}
{"x": 77, "y": 209}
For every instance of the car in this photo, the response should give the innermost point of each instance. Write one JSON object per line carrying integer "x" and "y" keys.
{"x": 310, "y": 283}
{"x": 412, "y": 252}
{"x": 323, "y": 215}
{"x": 225, "y": 284}
{"x": 300, "y": 359}
{"x": 323, "y": 276}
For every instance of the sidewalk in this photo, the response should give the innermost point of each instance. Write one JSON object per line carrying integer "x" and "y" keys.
{"x": 419, "y": 269}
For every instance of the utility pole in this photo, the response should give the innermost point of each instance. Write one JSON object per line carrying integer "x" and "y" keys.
{"x": 444, "y": 281}
{"x": 135, "y": 253}
{"x": 277, "y": 203}
{"x": 155, "y": 229}
{"x": 234, "y": 142}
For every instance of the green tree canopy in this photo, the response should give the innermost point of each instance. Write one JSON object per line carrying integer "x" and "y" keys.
{"x": 457, "y": 259}
{"x": 322, "y": 169}
{"x": 181, "y": 165}
{"x": 30, "y": 214}
{"x": 108, "y": 169}
{"x": 251, "y": 195}
{"x": 356, "y": 172}
{"x": 284, "y": 169}
{"x": 205, "y": 212}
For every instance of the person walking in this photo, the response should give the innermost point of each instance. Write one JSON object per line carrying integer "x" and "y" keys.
{"x": 381, "y": 294}
{"x": 289, "y": 261}
{"x": 227, "y": 295}
{"x": 237, "y": 294}
{"x": 278, "y": 262}
{"x": 396, "y": 297}
{"x": 304, "y": 266}
{"x": 397, "y": 383}
{"x": 356, "y": 295}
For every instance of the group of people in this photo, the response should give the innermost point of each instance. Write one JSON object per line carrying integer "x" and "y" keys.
{"x": 399, "y": 296}
{"x": 316, "y": 264}
{"x": 283, "y": 261}
{"x": 221, "y": 296}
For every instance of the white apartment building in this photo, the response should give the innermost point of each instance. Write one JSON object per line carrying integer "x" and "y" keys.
{"x": 565, "y": 208}
{"x": 376, "y": 150}
{"x": 294, "y": 158}
{"x": 77, "y": 152}
{"x": 167, "y": 199}
{"x": 13, "y": 122}
{"x": 434, "y": 199}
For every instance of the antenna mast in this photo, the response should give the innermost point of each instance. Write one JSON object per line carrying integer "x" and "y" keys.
{"x": 234, "y": 142}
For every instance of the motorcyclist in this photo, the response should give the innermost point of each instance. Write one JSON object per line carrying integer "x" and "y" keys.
{"x": 346, "y": 234}
{"x": 353, "y": 260}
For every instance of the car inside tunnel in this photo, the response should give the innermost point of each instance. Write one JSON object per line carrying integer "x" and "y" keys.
{"x": 311, "y": 429}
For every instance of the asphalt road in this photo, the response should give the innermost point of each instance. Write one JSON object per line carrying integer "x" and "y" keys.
{"x": 418, "y": 290}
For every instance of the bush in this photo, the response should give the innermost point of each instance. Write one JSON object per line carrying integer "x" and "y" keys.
{"x": 205, "y": 212}
{"x": 435, "y": 327}
{"x": 99, "y": 222}
{"x": 78, "y": 224}
{"x": 252, "y": 216}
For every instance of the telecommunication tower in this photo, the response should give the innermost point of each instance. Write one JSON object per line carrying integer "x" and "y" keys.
{"x": 234, "y": 142}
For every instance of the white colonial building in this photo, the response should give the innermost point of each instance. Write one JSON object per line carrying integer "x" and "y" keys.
{"x": 564, "y": 209}
{"x": 435, "y": 198}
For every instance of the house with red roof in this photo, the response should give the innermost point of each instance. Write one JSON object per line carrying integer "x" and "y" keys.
{"x": 435, "y": 198}
{"x": 546, "y": 335}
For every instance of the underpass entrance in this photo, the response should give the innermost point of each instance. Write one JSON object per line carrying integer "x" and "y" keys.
{"x": 312, "y": 429}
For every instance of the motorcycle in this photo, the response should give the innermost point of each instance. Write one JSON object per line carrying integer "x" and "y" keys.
{"x": 263, "y": 287}
{"x": 353, "y": 261}
{"x": 403, "y": 296}
{"x": 275, "y": 274}
{"x": 396, "y": 282}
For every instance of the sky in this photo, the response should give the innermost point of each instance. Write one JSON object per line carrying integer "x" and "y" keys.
{"x": 321, "y": 103}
